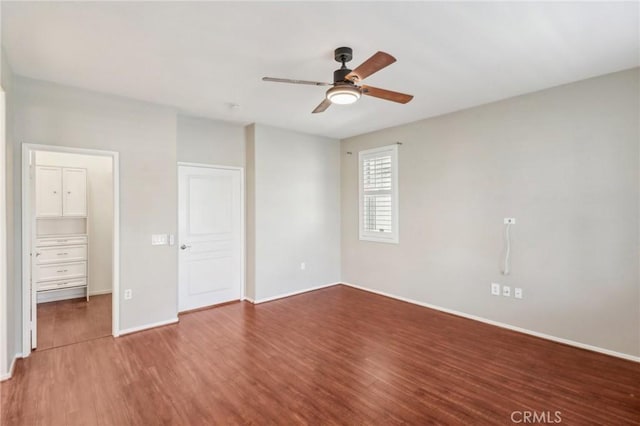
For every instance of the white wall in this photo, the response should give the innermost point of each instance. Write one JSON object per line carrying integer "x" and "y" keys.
{"x": 100, "y": 207}
{"x": 14, "y": 297}
{"x": 207, "y": 141}
{"x": 4, "y": 326}
{"x": 145, "y": 137}
{"x": 296, "y": 214}
{"x": 564, "y": 163}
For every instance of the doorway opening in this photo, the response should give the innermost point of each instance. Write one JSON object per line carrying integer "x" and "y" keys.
{"x": 70, "y": 245}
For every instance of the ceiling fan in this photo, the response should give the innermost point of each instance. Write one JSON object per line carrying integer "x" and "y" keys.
{"x": 346, "y": 88}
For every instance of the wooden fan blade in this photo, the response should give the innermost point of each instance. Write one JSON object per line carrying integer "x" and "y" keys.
{"x": 323, "y": 106}
{"x": 288, "y": 80}
{"x": 386, "y": 94}
{"x": 371, "y": 65}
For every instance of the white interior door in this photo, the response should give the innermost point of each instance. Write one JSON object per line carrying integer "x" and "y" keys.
{"x": 210, "y": 240}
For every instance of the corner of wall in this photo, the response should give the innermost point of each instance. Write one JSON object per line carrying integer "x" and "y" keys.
{"x": 250, "y": 236}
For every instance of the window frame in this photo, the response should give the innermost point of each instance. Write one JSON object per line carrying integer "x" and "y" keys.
{"x": 394, "y": 236}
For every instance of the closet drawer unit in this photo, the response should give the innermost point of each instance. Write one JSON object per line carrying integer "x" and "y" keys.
{"x": 61, "y": 271}
{"x": 61, "y": 254}
{"x": 62, "y": 240}
{"x": 56, "y": 285}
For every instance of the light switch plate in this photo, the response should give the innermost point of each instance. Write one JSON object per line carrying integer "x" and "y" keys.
{"x": 517, "y": 293}
{"x": 506, "y": 291}
{"x": 159, "y": 239}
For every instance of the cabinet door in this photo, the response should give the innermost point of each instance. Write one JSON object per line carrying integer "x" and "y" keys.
{"x": 48, "y": 191}
{"x": 74, "y": 192}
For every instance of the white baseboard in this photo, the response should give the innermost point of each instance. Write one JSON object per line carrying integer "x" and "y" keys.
{"x": 9, "y": 374}
{"x": 72, "y": 293}
{"x": 293, "y": 293}
{"x": 99, "y": 292}
{"x": 503, "y": 325}
{"x": 147, "y": 326}
{"x": 54, "y": 296}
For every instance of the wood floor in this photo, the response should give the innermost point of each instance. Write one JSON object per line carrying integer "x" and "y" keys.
{"x": 333, "y": 356}
{"x": 75, "y": 320}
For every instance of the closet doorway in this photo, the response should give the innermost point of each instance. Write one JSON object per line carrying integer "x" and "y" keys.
{"x": 70, "y": 245}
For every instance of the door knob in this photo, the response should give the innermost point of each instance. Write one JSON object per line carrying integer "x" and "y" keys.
{"x": 184, "y": 247}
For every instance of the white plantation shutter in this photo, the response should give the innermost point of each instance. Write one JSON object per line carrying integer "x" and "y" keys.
{"x": 379, "y": 194}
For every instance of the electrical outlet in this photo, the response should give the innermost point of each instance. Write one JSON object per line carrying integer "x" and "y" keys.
{"x": 495, "y": 289}
{"x": 517, "y": 292}
{"x": 128, "y": 294}
{"x": 303, "y": 266}
{"x": 506, "y": 291}
{"x": 509, "y": 221}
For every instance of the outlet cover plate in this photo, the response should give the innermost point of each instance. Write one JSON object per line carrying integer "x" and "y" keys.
{"x": 495, "y": 289}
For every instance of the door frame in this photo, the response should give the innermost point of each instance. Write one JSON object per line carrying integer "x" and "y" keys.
{"x": 28, "y": 220}
{"x": 243, "y": 284}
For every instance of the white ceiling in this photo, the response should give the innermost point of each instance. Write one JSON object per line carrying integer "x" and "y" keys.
{"x": 200, "y": 57}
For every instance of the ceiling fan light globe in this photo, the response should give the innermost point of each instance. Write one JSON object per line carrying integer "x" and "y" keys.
{"x": 343, "y": 95}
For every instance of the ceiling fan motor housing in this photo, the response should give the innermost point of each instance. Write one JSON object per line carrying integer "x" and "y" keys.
{"x": 339, "y": 76}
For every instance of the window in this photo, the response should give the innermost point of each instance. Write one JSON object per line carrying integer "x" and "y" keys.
{"x": 378, "y": 180}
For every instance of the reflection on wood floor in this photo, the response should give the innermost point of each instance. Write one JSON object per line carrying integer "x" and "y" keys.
{"x": 75, "y": 320}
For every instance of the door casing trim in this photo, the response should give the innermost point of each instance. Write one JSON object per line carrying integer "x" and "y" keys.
{"x": 27, "y": 215}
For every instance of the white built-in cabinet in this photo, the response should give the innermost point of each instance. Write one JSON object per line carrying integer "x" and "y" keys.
{"x": 61, "y": 243}
{"x": 61, "y": 192}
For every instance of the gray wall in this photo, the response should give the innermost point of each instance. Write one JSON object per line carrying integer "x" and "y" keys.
{"x": 207, "y": 141}
{"x": 296, "y": 199}
{"x": 14, "y": 296}
{"x": 564, "y": 163}
{"x": 250, "y": 212}
{"x": 145, "y": 137}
